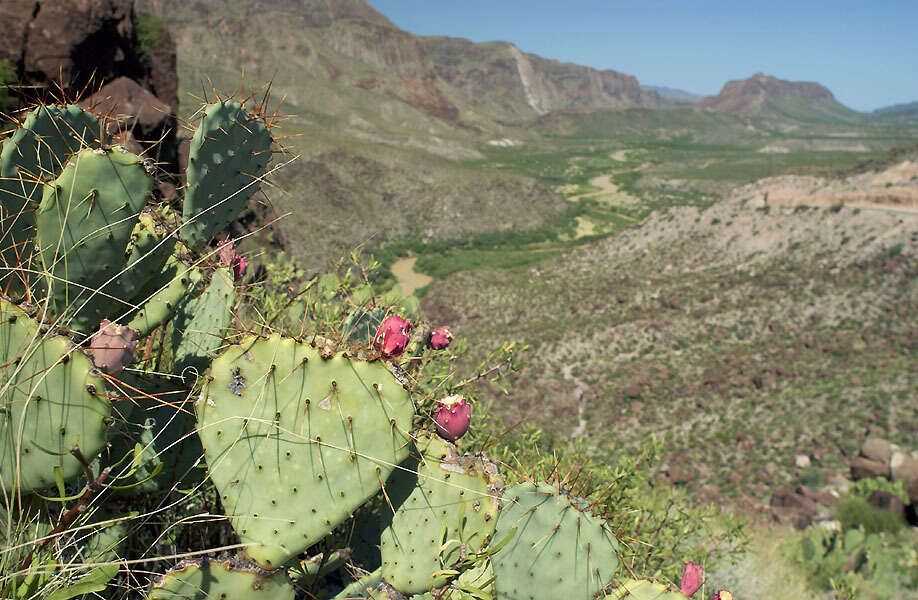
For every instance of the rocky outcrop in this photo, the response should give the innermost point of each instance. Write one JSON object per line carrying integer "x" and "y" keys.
{"x": 81, "y": 45}
{"x": 737, "y": 96}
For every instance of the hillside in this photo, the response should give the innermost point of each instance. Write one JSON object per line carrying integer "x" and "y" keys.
{"x": 679, "y": 96}
{"x": 741, "y": 334}
{"x": 765, "y": 96}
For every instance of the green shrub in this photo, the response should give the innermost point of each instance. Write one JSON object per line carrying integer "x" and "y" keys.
{"x": 853, "y": 512}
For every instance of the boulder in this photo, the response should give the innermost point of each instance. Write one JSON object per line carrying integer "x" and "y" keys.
{"x": 877, "y": 449}
{"x": 802, "y": 461}
{"x": 865, "y": 468}
{"x": 132, "y": 108}
{"x": 903, "y": 467}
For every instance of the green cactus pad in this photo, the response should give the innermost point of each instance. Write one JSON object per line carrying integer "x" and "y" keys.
{"x": 84, "y": 226}
{"x": 633, "y": 589}
{"x": 451, "y": 512}
{"x": 557, "y": 551}
{"x": 162, "y": 295}
{"x": 221, "y": 581}
{"x": 228, "y": 154}
{"x": 148, "y": 250}
{"x": 200, "y": 323}
{"x": 34, "y": 154}
{"x": 295, "y": 442}
{"x": 51, "y": 400}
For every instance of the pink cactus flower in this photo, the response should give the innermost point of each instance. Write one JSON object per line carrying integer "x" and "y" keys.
{"x": 440, "y": 338}
{"x": 692, "y": 578}
{"x": 453, "y": 416}
{"x": 392, "y": 336}
{"x": 237, "y": 262}
{"x": 112, "y": 347}
{"x": 722, "y": 595}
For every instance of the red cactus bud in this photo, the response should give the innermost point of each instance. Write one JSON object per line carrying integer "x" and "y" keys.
{"x": 722, "y": 595}
{"x": 112, "y": 347}
{"x": 452, "y": 416}
{"x": 440, "y": 338}
{"x": 237, "y": 262}
{"x": 392, "y": 336}
{"x": 692, "y": 578}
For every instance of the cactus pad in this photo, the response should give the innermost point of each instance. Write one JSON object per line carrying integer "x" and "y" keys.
{"x": 84, "y": 227}
{"x": 33, "y": 154}
{"x": 557, "y": 551}
{"x": 200, "y": 322}
{"x": 51, "y": 399}
{"x": 228, "y": 154}
{"x": 451, "y": 512}
{"x": 295, "y": 442}
{"x": 163, "y": 294}
{"x": 220, "y": 581}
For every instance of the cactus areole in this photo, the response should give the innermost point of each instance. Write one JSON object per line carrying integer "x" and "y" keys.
{"x": 452, "y": 417}
{"x": 392, "y": 337}
{"x": 112, "y": 347}
{"x": 440, "y": 339}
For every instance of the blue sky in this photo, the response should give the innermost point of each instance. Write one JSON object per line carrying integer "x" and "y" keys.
{"x": 866, "y": 53}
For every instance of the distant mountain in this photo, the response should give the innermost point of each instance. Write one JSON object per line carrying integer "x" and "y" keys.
{"x": 765, "y": 96}
{"x": 679, "y": 96}
{"x": 908, "y": 110}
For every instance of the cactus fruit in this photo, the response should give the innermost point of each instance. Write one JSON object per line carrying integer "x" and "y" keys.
{"x": 692, "y": 578}
{"x": 452, "y": 512}
{"x": 112, "y": 347}
{"x": 238, "y": 263}
{"x": 635, "y": 589}
{"x": 452, "y": 416}
{"x": 556, "y": 549}
{"x": 392, "y": 337}
{"x": 217, "y": 580}
{"x": 51, "y": 400}
{"x": 227, "y": 157}
{"x": 295, "y": 442}
{"x": 35, "y": 153}
{"x": 200, "y": 323}
{"x": 84, "y": 227}
{"x": 440, "y": 338}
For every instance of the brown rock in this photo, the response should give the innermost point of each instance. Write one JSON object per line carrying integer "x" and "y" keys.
{"x": 784, "y": 498}
{"x": 888, "y": 501}
{"x": 676, "y": 474}
{"x": 824, "y": 498}
{"x": 132, "y": 108}
{"x": 633, "y": 391}
{"x": 877, "y": 449}
{"x": 864, "y": 468}
{"x": 75, "y": 40}
{"x": 913, "y": 492}
{"x": 903, "y": 467}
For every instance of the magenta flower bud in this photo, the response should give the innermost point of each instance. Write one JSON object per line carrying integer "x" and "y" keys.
{"x": 453, "y": 416}
{"x": 440, "y": 338}
{"x": 237, "y": 262}
{"x": 692, "y": 578}
{"x": 112, "y": 347}
{"x": 392, "y": 336}
{"x": 722, "y": 595}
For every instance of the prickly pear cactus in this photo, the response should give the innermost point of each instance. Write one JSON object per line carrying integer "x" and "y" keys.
{"x": 451, "y": 512}
{"x": 221, "y": 581}
{"x": 361, "y": 325}
{"x": 558, "y": 550}
{"x": 295, "y": 441}
{"x": 228, "y": 154}
{"x": 51, "y": 400}
{"x": 35, "y": 153}
{"x": 84, "y": 226}
{"x": 634, "y": 589}
{"x": 200, "y": 323}
{"x": 162, "y": 295}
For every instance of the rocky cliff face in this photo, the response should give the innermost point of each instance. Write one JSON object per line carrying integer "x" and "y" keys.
{"x": 750, "y": 94}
